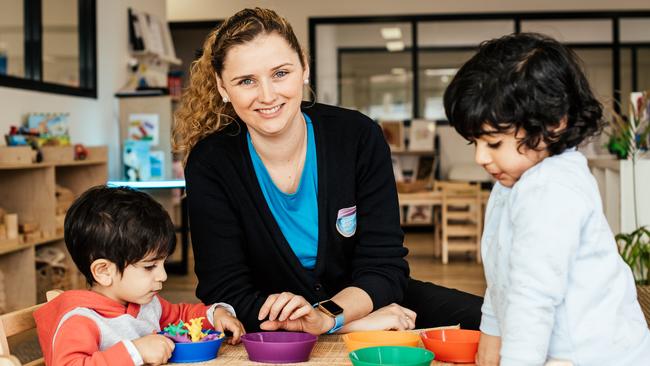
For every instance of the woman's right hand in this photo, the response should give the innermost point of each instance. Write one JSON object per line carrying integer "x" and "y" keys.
{"x": 390, "y": 317}
{"x": 293, "y": 313}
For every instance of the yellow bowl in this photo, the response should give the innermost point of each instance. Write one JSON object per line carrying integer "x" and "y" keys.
{"x": 356, "y": 340}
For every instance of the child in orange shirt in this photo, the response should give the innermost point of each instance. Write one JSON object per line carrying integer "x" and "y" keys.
{"x": 119, "y": 239}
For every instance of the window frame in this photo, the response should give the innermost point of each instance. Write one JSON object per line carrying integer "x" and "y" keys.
{"x": 616, "y": 45}
{"x": 33, "y": 51}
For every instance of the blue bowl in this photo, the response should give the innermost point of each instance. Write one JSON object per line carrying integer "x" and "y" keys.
{"x": 196, "y": 351}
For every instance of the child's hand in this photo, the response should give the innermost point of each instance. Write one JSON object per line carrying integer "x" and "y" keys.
{"x": 390, "y": 317}
{"x": 154, "y": 349}
{"x": 488, "y": 350}
{"x": 223, "y": 321}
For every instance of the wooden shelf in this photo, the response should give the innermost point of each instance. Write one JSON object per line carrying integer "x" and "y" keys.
{"x": 16, "y": 246}
{"x": 6, "y": 166}
{"x": 9, "y": 166}
{"x": 28, "y": 190}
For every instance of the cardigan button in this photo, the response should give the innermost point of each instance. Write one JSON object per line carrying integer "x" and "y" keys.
{"x": 318, "y": 287}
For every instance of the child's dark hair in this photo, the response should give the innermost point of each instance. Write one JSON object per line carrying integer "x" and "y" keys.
{"x": 524, "y": 81}
{"x": 121, "y": 225}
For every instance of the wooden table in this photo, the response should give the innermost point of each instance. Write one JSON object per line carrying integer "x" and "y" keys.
{"x": 329, "y": 350}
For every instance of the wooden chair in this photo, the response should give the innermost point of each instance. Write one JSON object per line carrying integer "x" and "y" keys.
{"x": 460, "y": 220}
{"x": 17, "y": 322}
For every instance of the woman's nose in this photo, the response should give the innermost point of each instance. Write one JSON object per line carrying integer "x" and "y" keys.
{"x": 266, "y": 92}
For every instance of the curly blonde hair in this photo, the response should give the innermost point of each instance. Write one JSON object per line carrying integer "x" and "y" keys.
{"x": 202, "y": 110}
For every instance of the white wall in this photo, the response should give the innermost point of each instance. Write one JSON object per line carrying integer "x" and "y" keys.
{"x": 92, "y": 121}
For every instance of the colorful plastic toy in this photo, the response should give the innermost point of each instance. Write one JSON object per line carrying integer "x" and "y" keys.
{"x": 193, "y": 344}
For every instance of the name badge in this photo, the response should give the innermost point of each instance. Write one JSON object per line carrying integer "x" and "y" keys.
{"x": 346, "y": 221}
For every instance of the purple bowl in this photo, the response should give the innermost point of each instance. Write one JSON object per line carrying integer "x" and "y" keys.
{"x": 279, "y": 347}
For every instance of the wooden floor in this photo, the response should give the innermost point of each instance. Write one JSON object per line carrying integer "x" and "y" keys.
{"x": 462, "y": 272}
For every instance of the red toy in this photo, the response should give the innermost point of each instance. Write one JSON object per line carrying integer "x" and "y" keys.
{"x": 80, "y": 152}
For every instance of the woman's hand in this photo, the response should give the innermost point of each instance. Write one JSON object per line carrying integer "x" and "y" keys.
{"x": 292, "y": 312}
{"x": 390, "y": 317}
{"x": 488, "y": 350}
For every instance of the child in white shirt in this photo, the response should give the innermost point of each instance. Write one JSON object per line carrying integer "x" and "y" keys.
{"x": 556, "y": 285}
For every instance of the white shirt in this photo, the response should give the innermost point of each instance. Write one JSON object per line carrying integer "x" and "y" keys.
{"x": 557, "y": 287}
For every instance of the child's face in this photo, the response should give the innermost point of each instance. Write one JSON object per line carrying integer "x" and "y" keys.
{"x": 140, "y": 281}
{"x": 499, "y": 155}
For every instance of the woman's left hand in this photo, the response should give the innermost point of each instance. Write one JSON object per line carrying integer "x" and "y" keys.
{"x": 292, "y": 312}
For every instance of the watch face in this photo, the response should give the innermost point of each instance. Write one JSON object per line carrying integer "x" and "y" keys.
{"x": 331, "y": 307}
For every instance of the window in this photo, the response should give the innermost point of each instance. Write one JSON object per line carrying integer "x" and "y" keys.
{"x": 49, "y": 45}
{"x": 353, "y": 67}
{"x": 12, "y": 39}
{"x": 367, "y": 67}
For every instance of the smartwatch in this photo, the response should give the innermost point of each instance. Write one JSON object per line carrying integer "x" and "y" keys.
{"x": 333, "y": 310}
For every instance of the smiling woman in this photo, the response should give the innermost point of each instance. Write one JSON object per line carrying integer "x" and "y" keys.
{"x": 294, "y": 204}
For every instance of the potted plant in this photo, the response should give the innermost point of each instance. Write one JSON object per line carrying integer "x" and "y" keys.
{"x": 629, "y": 138}
{"x": 635, "y": 250}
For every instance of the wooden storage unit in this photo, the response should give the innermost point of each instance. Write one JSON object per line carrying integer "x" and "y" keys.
{"x": 28, "y": 189}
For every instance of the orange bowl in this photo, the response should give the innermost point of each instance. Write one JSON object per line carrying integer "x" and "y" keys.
{"x": 452, "y": 345}
{"x": 374, "y": 338}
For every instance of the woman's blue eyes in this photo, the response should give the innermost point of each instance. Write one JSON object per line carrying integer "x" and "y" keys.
{"x": 279, "y": 75}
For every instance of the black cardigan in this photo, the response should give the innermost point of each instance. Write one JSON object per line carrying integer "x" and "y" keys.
{"x": 240, "y": 254}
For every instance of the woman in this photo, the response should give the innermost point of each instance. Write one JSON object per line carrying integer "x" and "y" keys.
{"x": 294, "y": 204}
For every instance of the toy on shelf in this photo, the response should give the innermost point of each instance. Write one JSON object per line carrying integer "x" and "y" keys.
{"x": 80, "y": 152}
{"x": 193, "y": 344}
{"x": 30, "y": 231}
{"x": 8, "y": 227}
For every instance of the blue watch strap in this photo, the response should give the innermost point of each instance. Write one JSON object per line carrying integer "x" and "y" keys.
{"x": 339, "y": 321}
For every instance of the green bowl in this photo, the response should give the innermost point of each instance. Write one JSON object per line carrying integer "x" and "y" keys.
{"x": 391, "y": 355}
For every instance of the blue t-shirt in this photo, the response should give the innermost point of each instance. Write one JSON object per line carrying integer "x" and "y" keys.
{"x": 297, "y": 213}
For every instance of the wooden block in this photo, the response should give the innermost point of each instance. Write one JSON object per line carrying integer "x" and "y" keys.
{"x": 57, "y": 154}
{"x": 59, "y": 221}
{"x": 16, "y": 154}
{"x": 50, "y": 233}
{"x": 33, "y": 236}
{"x": 28, "y": 227}
{"x": 62, "y": 207}
{"x": 11, "y": 224}
{"x": 3, "y": 231}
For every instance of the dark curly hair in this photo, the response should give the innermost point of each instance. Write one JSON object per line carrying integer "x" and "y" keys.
{"x": 121, "y": 225}
{"x": 524, "y": 81}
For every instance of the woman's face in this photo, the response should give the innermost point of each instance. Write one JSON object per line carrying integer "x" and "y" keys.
{"x": 263, "y": 79}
